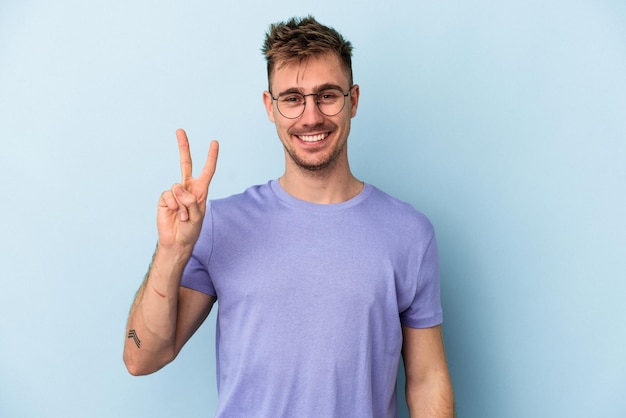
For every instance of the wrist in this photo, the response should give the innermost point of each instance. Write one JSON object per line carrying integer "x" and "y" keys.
{"x": 172, "y": 254}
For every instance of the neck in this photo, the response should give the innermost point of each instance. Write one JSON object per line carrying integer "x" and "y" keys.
{"x": 323, "y": 186}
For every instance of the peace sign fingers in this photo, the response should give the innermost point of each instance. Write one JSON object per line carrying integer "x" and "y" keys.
{"x": 198, "y": 186}
{"x": 182, "y": 208}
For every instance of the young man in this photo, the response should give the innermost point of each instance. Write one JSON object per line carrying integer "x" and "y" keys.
{"x": 322, "y": 280}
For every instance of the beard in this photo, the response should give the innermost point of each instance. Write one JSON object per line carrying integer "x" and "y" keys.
{"x": 321, "y": 164}
{"x": 317, "y": 166}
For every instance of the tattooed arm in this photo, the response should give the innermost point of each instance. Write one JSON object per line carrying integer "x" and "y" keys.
{"x": 164, "y": 315}
{"x": 162, "y": 319}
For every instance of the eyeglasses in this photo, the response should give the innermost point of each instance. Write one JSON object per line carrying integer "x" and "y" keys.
{"x": 330, "y": 102}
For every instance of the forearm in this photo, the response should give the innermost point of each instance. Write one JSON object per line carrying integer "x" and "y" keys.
{"x": 151, "y": 328}
{"x": 432, "y": 398}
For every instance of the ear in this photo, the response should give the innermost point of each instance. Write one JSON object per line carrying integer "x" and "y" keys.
{"x": 269, "y": 105}
{"x": 354, "y": 100}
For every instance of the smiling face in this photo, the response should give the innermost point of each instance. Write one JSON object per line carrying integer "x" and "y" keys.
{"x": 313, "y": 142}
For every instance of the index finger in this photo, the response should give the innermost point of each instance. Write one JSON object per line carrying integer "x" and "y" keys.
{"x": 185, "y": 156}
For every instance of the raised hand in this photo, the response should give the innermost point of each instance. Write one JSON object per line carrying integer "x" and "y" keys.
{"x": 182, "y": 208}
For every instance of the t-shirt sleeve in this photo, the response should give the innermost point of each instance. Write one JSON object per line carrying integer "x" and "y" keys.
{"x": 425, "y": 309}
{"x": 196, "y": 274}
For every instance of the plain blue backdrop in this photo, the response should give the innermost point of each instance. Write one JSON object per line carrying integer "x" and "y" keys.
{"x": 502, "y": 121}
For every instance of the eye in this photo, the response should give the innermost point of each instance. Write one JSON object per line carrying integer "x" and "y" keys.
{"x": 329, "y": 96}
{"x": 291, "y": 99}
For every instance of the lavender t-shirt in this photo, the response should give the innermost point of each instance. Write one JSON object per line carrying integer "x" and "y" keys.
{"x": 311, "y": 299}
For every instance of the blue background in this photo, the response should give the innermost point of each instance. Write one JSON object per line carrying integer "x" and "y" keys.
{"x": 502, "y": 121}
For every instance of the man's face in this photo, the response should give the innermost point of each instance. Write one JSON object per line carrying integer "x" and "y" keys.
{"x": 313, "y": 141}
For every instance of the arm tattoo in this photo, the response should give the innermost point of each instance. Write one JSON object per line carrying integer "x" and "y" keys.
{"x": 132, "y": 334}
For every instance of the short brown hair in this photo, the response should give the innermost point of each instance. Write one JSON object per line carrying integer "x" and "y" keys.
{"x": 300, "y": 38}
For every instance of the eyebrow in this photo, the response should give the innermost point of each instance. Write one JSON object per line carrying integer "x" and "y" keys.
{"x": 317, "y": 89}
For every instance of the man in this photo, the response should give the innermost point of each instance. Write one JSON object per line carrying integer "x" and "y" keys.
{"x": 322, "y": 280}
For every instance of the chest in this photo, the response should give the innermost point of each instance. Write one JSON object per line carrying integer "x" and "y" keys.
{"x": 296, "y": 263}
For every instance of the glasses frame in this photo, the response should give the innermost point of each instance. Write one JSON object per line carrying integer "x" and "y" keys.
{"x": 317, "y": 103}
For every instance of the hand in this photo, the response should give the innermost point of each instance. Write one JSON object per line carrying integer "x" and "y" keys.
{"x": 182, "y": 208}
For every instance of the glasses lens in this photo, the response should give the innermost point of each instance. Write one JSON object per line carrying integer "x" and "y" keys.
{"x": 330, "y": 102}
{"x": 291, "y": 105}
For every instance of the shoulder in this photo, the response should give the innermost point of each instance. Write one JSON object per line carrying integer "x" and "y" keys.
{"x": 397, "y": 214}
{"x": 259, "y": 194}
{"x": 252, "y": 205}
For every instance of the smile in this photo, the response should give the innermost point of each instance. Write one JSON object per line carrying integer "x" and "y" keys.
{"x": 312, "y": 138}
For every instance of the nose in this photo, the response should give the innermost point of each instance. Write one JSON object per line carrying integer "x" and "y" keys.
{"x": 311, "y": 114}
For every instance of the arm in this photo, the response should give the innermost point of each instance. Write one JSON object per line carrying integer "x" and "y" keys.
{"x": 428, "y": 385}
{"x": 164, "y": 315}
{"x": 159, "y": 324}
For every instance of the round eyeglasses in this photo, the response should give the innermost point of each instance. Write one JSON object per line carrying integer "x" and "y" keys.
{"x": 330, "y": 102}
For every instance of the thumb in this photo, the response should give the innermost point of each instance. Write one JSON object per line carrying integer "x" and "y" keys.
{"x": 188, "y": 208}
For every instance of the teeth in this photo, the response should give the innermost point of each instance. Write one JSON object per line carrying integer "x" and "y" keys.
{"x": 312, "y": 138}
